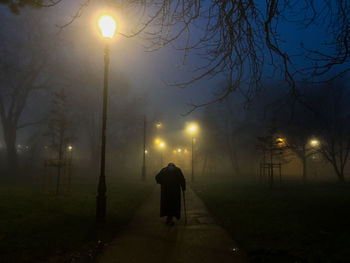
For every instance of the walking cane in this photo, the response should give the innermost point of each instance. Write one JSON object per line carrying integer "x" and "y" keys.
{"x": 183, "y": 193}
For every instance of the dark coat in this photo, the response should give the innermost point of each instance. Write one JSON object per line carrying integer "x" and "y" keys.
{"x": 171, "y": 180}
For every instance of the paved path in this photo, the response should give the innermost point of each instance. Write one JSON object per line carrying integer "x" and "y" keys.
{"x": 148, "y": 239}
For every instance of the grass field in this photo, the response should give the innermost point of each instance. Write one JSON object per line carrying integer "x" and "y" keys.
{"x": 36, "y": 224}
{"x": 290, "y": 223}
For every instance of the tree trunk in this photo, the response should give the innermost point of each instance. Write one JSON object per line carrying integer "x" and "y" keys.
{"x": 204, "y": 169}
{"x": 339, "y": 171}
{"x": 10, "y": 141}
{"x": 271, "y": 169}
{"x": 60, "y": 155}
{"x": 341, "y": 178}
{"x": 304, "y": 165}
{"x": 233, "y": 155}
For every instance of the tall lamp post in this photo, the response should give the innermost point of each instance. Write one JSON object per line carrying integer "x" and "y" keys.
{"x": 143, "y": 172}
{"x": 162, "y": 146}
{"x": 192, "y": 129}
{"x": 107, "y": 27}
{"x": 70, "y": 164}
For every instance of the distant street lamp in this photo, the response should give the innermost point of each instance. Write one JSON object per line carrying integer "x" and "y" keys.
{"x": 107, "y": 27}
{"x": 70, "y": 150}
{"x": 70, "y": 163}
{"x": 192, "y": 129}
{"x": 314, "y": 143}
{"x": 160, "y": 144}
{"x": 159, "y": 125}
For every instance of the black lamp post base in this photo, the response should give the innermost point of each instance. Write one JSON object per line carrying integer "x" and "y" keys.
{"x": 101, "y": 209}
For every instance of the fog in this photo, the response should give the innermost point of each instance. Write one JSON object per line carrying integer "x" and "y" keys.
{"x": 248, "y": 100}
{"x": 70, "y": 62}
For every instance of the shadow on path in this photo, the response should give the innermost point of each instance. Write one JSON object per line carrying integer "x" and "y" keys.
{"x": 148, "y": 239}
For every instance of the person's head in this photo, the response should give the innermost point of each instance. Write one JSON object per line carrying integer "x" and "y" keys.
{"x": 171, "y": 165}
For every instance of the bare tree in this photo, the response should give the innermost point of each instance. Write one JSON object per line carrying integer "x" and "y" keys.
{"x": 15, "y": 6}
{"x": 59, "y": 130}
{"x": 274, "y": 151}
{"x": 22, "y": 73}
{"x": 325, "y": 122}
{"x": 335, "y": 129}
{"x": 241, "y": 39}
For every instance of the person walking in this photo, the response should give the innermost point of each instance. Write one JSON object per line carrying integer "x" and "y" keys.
{"x": 172, "y": 181}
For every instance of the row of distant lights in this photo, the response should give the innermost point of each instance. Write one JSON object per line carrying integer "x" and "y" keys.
{"x": 21, "y": 147}
{"x": 191, "y": 127}
{"x": 69, "y": 147}
{"x": 175, "y": 151}
{"x": 313, "y": 142}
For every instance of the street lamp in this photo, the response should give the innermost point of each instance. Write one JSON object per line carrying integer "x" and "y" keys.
{"x": 160, "y": 144}
{"x": 70, "y": 149}
{"x": 143, "y": 169}
{"x": 314, "y": 143}
{"x": 70, "y": 163}
{"x": 159, "y": 125}
{"x": 107, "y": 27}
{"x": 192, "y": 129}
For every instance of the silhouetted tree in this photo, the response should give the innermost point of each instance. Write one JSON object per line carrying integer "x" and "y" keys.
{"x": 59, "y": 130}
{"x": 241, "y": 38}
{"x": 274, "y": 151}
{"x": 334, "y": 129}
{"x": 326, "y": 119}
{"x": 22, "y": 73}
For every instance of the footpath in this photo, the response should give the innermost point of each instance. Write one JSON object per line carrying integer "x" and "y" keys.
{"x": 148, "y": 239}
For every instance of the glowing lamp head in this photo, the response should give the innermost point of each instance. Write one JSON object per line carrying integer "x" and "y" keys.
{"x": 281, "y": 142}
{"x": 179, "y": 150}
{"x": 107, "y": 26}
{"x": 161, "y": 144}
{"x": 314, "y": 143}
{"x": 192, "y": 128}
{"x": 70, "y": 147}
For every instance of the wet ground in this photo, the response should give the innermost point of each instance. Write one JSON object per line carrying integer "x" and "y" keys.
{"x": 148, "y": 239}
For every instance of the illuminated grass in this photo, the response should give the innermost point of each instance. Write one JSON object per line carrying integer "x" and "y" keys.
{"x": 35, "y": 225}
{"x": 295, "y": 223}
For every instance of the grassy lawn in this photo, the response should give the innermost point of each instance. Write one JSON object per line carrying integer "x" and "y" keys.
{"x": 37, "y": 224}
{"x": 291, "y": 223}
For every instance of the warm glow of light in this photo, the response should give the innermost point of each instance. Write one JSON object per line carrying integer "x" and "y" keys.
{"x": 192, "y": 128}
{"x": 158, "y": 142}
{"x": 314, "y": 142}
{"x": 107, "y": 26}
{"x": 185, "y": 150}
{"x": 159, "y": 125}
{"x": 179, "y": 150}
{"x": 174, "y": 151}
{"x": 281, "y": 142}
{"x": 70, "y": 147}
{"x": 146, "y": 151}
